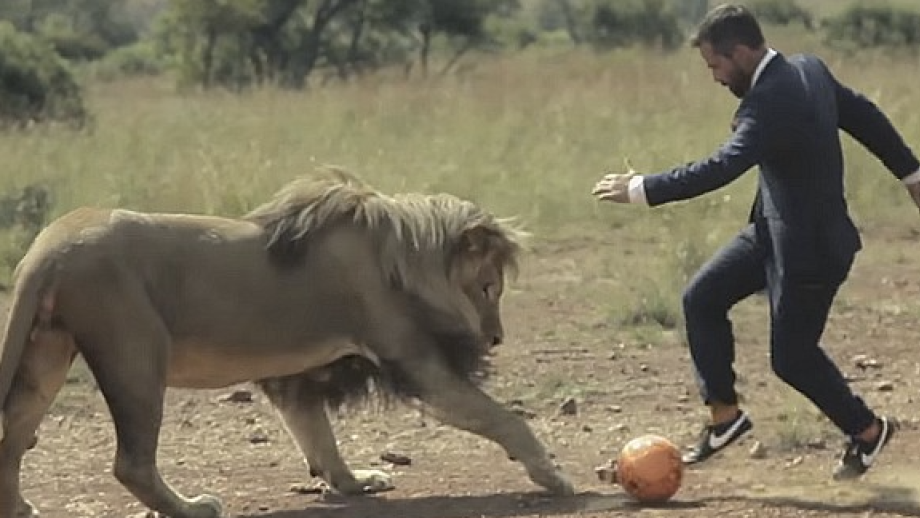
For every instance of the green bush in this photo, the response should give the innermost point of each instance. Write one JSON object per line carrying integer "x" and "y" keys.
{"x": 782, "y": 12}
{"x": 22, "y": 216}
{"x": 36, "y": 85}
{"x": 874, "y": 25}
{"x": 619, "y": 23}
{"x": 69, "y": 43}
{"x": 139, "y": 59}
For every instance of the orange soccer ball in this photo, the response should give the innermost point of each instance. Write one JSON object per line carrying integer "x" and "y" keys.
{"x": 650, "y": 469}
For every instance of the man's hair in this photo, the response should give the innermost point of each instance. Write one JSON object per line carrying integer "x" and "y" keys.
{"x": 728, "y": 25}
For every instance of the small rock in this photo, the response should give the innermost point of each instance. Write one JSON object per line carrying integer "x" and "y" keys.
{"x": 606, "y": 473}
{"x": 616, "y": 409}
{"x": 884, "y": 386}
{"x": 683, "y": 398}
{"x": 569, "y": 407}
{"x": 396, "y": 458}
{"x": 865, "y": 362}
{"x": 516, "y": 406}
{"x": 817, "y": 444}
{"x": 523, "y": 412}
{"x": 258, "y": 437}
{"x": 587, "y": 428}
{"x": 237, "y": 396}
{"x": 612, "y": 356}
{"x": 795, "y": 461}
{"x": 643, "y": 367}
{"x": 758, "y": 450}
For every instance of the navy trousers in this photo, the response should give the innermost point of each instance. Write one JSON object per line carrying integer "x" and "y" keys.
{"x": 798, "y": 314}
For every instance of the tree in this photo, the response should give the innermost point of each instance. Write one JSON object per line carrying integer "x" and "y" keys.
{"x": 36, "y": 84}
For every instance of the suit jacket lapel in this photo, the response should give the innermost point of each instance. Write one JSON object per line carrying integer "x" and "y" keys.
{"x": 757, "y": 206}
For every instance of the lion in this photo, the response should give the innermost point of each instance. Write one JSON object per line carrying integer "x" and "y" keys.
{"x": 330, "y": 291}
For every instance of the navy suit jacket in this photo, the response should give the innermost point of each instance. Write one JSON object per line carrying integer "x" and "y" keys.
{"x": 788, "y": 125}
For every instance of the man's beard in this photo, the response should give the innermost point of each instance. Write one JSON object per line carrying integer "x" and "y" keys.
{"x": 740, "y": 84}
{"x": 739, "y": 89}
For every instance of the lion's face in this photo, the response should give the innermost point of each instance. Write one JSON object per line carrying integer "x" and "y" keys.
{"x": 484, "y": 290}
{"x": 481, "y": 279}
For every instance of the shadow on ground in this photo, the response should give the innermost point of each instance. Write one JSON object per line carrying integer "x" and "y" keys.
{"x": 857, "y": 498}
{"x": 891, "y": 499}
{"x": 503, "y": 505}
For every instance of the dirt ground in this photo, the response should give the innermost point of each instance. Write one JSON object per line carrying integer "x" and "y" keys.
{"x": 561, "y": 344}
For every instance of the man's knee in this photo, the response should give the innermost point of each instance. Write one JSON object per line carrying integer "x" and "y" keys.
{"x": 697, "y": 299}
{"x": 783, "y": 367}
{"x": 793, "y": 364}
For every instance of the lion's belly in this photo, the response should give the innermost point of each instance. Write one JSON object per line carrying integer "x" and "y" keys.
{"x": 201, "y": 365}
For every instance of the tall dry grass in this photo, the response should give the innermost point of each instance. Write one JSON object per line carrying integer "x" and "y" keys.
{"x": 525, "y": 135}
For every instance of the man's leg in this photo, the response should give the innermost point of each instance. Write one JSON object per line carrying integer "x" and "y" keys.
{"x": 734, "y": 273}
{"x": 799, "y": 314}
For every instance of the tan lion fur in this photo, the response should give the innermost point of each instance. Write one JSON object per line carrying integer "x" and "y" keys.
{"x": 327, "y": 286}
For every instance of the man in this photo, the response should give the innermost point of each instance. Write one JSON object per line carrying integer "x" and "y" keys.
{"x": 800, "y": 242}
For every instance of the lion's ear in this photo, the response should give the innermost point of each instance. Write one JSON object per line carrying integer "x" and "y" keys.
{"x": 476, "y": 240}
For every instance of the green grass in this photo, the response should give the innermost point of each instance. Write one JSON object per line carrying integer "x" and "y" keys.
{"x": 526, "y": 135}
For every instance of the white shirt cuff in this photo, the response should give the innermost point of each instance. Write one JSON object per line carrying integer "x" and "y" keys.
{"x": 637, "y": 189}
{"x": 907, "y": 180}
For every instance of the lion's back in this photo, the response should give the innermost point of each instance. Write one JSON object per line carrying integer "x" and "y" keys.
{"x": 89, "y": 239}
{"x": 65, "y": 233}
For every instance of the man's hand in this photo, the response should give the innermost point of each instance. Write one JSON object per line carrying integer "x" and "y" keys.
{"x": 615, "y": 187}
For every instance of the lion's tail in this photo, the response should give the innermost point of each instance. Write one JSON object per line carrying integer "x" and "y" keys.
{"x": 24, "y": 306}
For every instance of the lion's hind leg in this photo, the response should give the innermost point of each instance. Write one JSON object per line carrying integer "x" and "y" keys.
{"x": 127, "y": 352}
{"x": 303, "y": 412}
{"x": 41, "y": 374}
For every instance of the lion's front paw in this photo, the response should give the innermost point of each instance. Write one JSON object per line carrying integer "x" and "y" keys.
{"x": 553, "y": 481}
{"x": 374, "y": 481}
{"x": 363, "y": 482}
{"x": 204, "y": 506}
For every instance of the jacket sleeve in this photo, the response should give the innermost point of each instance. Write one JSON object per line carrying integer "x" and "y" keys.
{"x": 864, "y": 121}
{"x": 733, "y": 158}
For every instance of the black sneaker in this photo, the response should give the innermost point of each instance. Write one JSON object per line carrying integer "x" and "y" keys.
{"x": 859, "y": 455}
{"x": 716, "y": 437}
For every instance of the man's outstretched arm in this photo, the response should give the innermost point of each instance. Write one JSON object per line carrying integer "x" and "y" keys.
{"x": 863, "y": 120}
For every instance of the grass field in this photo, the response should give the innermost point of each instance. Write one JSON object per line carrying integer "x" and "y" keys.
{"x": 526, "y": 135}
